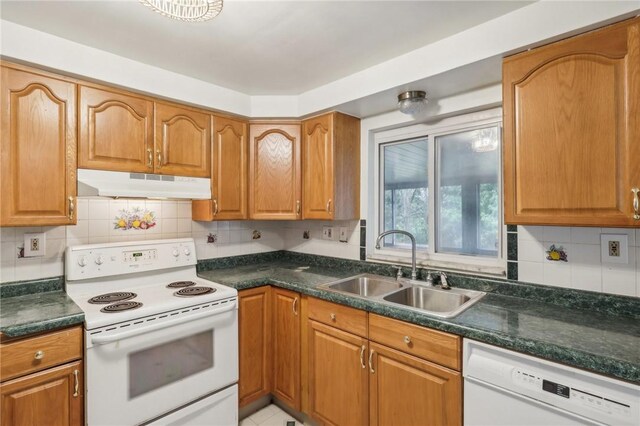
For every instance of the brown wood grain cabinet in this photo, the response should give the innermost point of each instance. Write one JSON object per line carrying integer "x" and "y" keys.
{"x": 229, "y": 161}
{"x": 274, "y": 171}
{"x": 331, "y": 167}
{"x": 38, "y": 149}
{"x": 182, "y": 141}
{"x": 572, "y": 130}
{"x": 43, "y": 383}
{"x": 286, "y": 346}
{"x": 116, "y": 130}
{"x": 254, "y": 343}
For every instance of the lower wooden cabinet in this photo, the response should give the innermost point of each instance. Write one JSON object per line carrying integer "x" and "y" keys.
{"x": 338, "y": 376}
{"x": 50, "y": 397}
{"x": 286, "y": 346}
{"x": 255, "y": 344}
{"x": 409, "y": 391}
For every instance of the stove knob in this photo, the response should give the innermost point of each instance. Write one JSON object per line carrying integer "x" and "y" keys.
{"x": 82, "y": 261}
{"x": 186, "y": 251}
{"x": 175, "y": 253}
{"x": 99, "y": 260}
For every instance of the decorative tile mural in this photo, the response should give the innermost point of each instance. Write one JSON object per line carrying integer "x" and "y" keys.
{"x": 135, "y": 218}
{"x": 557, "y": 254}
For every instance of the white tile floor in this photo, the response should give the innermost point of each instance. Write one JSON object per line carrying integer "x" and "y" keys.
{"x": 270, "y": 415}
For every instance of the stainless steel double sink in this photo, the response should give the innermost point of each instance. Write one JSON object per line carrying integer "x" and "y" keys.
{"x": 413, "y": 295}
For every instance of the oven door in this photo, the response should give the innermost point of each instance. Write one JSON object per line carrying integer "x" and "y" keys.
{"x": 137, "y": 374}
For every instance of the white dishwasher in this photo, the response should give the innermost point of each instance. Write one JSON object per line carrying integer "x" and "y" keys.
{"x": 507, "y": 388}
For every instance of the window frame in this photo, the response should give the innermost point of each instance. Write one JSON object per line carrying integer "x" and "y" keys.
{"x": 428, "y": 257}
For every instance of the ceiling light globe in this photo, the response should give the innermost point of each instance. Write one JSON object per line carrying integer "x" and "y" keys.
{"x": 412, "y": 102}
{"x": 186, "y": 10}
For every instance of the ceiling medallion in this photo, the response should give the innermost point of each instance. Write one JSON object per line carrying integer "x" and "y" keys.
{"x": 186, "y": 10}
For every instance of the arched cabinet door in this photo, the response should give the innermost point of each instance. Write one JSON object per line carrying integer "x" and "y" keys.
{"x": 274, "y": 171}
{"x": 571, "y": 130}
{"x": 116, "y": 131}
{"x": 183, "y": 141}
{"x": 38, "y": 149}
{"x": 318, "y": 178}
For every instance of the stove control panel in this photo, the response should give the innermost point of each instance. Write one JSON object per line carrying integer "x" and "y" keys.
{"x": 102, "y": 260}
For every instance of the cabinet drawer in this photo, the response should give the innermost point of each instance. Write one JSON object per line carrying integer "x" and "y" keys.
{"x": 33, "y": 354}
{"x": 432, "y": 345}
{"x": 342, "y": 317}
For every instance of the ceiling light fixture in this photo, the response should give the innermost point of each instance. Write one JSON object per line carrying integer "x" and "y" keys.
{"x": 186, "y": 10}
{"x": 412, "y": 102}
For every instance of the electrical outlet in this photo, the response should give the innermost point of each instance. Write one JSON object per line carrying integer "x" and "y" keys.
{"x": 343, "y": 234}
{"x": 614, "y": 248}
{"x": 34, "y": 245}
{"x": 327, "y": 233}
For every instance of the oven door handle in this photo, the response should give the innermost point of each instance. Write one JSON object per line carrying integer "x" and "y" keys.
{"x": 108, "y": 338}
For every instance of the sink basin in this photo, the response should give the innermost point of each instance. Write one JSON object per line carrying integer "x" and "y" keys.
{"x": 435, "y": 301}
{"x": 365, "y": 285}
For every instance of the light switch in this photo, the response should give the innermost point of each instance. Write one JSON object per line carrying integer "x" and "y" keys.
{"x": 615, "y": 248}
{"x": 343, "y": 234}
{"x": 34, "y": 245}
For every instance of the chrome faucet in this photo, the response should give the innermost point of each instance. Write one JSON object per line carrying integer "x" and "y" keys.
{"x": 444, "y": 284}
{"x": 414, "y": 274}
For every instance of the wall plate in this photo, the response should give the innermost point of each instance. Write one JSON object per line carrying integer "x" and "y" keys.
{"x": 34, "y": 244}
{"x": 614, "y": 248}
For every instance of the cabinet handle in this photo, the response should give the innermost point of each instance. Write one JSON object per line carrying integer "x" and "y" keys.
{"x": 75, "y": 385}
{"x": 636, "y": 204}
{"x": 407, "y": 340}
{"x": 362, "y": 349}
{"x": 215, "y": 206}
{"x": 150, "y": 157}
{"x": 298, "y": 207}
{"x": 38, "y": 355}
{"x": 159, "y": 158}
{"x": 72, "y": 208}
{"x": 329, "y": 206}
{"x": 293, "y": 306}
{"x": 371, "y": 362}
{"x": 332, "y": 316}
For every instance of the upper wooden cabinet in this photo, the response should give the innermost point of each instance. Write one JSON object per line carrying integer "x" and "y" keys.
{"x": 116, "y": 131}
{"x": 274, "y": 171}
{"x": 229, "y": 158}
{"x": 572, "y": 130}
{"x": 331, "y": 167}
{"x": 38, "y": 149}
{"x": 183, "y": 141}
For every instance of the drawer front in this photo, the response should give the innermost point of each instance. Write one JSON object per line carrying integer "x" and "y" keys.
{"x": 343, "y": 317}
{"x": 33, "y": 354}
{"x": 432, "y": 345}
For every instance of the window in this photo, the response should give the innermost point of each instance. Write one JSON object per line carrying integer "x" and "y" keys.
{"x": 442, "y": 185}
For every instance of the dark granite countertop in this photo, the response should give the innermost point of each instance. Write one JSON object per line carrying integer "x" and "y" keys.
{"x": 25, "y": 310}
{"x": 592, "y": 340}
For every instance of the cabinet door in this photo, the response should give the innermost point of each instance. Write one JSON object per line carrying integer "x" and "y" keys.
{"x": 319, "y": 200}
{"x": 255, "y": 343}
{"x": 571, "y": 130}
{"x": 407, "y": 391}
{"x": 38, "y": 150}
{"x": 116, "y": 131}
{"x": 50, "y": 397}
{"x": 338, "y": 377}
{"x": 286, "y": 347}
{"x": 274, "y": 172}
{"x": 183, "y": 141}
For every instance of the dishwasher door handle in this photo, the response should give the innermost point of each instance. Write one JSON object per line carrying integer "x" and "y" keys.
{"x": 108, "y": 338}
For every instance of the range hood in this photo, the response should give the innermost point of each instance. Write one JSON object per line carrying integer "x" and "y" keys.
{"x": 141, "y": 185}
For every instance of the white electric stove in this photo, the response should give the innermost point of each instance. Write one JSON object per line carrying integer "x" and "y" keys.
{"x": 153, "y": 330}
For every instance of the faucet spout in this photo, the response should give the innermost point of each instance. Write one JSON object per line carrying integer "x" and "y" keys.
{"x": 414, "y": 274}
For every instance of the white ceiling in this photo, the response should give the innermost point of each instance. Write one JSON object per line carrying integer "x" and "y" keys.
{"x": 261, "y": 47}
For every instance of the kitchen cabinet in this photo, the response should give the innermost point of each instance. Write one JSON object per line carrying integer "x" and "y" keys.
{"x": 38, "y": 148}
{"x": 42, "y": 380}
{"x": 116, "y": 130}
{"x": 182, "y": 141}
{"x": 254, "y": 343}
{"x": 274, "y": 171}
{"x": 368, "y": 369}
{"x": 286, "y": 346}
{"x": 331, "y": 167}
{"x": 229, "y": 159}
{"x": 571, "y": 130}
